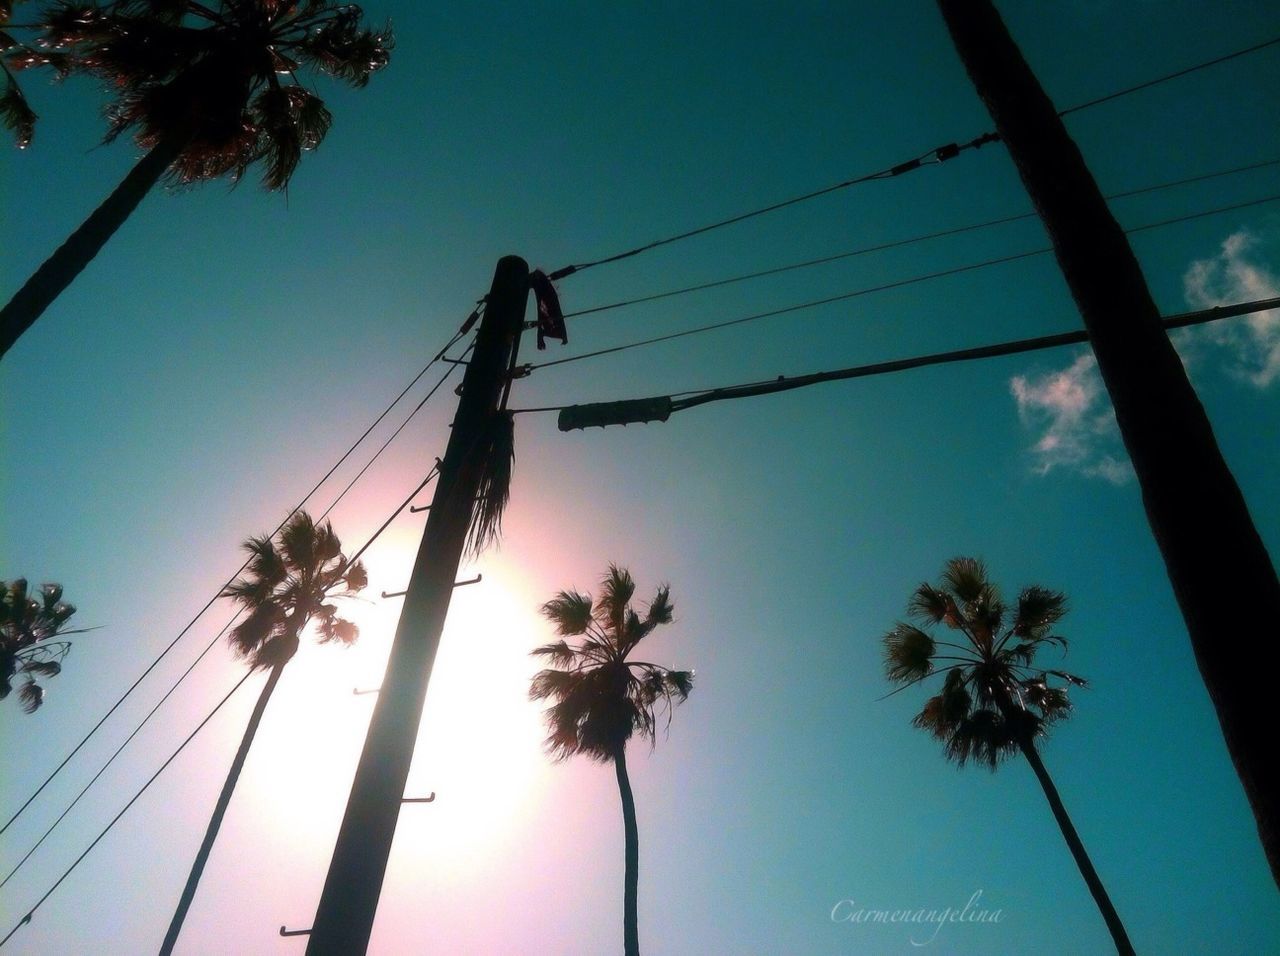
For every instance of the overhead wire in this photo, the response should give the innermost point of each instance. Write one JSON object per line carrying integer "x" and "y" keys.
{"x": 691, "y": 398}
{"x": 103, "y": 769}
{"x": 899, "y": 243}
{"x": 1168, "y": 76}
{"x": 466, "y": 327}
{"x": 208, "y": 647}
{"x": 883, "y": 287}
{"x": 31, "y": 912}
{"x": 937, "y": 155}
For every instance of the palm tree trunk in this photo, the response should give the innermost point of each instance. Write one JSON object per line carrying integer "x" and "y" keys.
{"x": 631, "y": 878}
{"x": 61, "y": 268}
{"x": 1222, "y": 576}
{"x": 1123, "y": 946}
{"x": 219, "y": 811}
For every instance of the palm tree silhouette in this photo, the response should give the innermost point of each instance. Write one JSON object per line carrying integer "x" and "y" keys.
{"x": 600, "y": 699}
{"x": 994, "y": 701}
{"x": 16, "y": 114}
{"x": 208, "y": 90}
{"x": 26, "y": 626}
{"x": 286, "y": 586}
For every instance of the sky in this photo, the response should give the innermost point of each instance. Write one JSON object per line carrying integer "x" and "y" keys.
{"x": 228, "y": 345}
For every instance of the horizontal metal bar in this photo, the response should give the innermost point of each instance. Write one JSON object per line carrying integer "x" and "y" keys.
{"x": 391, "y": 594}
{"x": 476, "y": 580}
{"x": 430, "y": 799}
{"x": 294, "y": 932}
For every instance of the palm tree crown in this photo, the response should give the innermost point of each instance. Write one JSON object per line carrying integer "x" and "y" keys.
{"x": 599, "y": 698}
{"x": 993, "y": 695}
{"x": 286, "y": 585}
{"x": 26, "y": 626}
{"x": 219, "y": 79}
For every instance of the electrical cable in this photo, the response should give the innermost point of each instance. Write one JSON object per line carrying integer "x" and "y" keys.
{"x": 27, "y": 919}
{"x": 233, "y": 619}
{"x": 679, "y": 401}
{"x": 119, "y": 749}
{"x": 881, "y": 247}
{"x": 1168, "y": 76}
{"x": 466, "y": 326}
{"x": 938, "y": 155}
{"x": 417, "y": 408}
{"x": 914, "y": 280}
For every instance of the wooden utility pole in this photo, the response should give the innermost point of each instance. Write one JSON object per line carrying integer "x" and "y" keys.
{"x": 1221, "y": 574}
{"x": 349, "y": 900}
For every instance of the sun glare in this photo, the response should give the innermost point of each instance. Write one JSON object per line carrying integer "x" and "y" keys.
{"x": 479, "y": 745}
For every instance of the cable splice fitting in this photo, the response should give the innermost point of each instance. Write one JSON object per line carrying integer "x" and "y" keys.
{"x": 905, "y": 167}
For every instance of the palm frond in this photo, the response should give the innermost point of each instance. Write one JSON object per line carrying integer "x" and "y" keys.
{"x": 617, "y": 588}
{"x": 1070, "y": 678}
{"x": 679, "y": 683}
{"x": 340, "y": 47}
{"x": 299, "y": 545}
{"x": 51, "y": 595}
{"x": 559, "y": 654}
{"x": 1038, "y": 610}
{"x": 355, "y": 577}
{"x": 497, "y": 452}
{"x": 550, "y": 683}
{"x": 30, "y": 696}
{"x": 927, "y": 603}
{"x": 661, "y": 610}
{"x": 570, "y": 612}
{"x": 43, "y": 668}
{"x": 966, "y": 578}
{"x": 908, "y": 653}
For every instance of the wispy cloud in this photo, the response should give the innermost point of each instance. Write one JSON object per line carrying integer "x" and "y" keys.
{"x": 1235, "y": 275}
{"x": 1070, "y": 410}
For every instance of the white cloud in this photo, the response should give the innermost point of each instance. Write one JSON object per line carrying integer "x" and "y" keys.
{"x": 1233, "y": 275}
{"x": 1077, "y": 427}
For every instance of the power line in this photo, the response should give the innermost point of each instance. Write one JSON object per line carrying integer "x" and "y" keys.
{"x": 914, "y": 280}
{"x": 679, "y": 401}
{"x": 355, "y": 557}
{"x": 211, "y": 644}
{"x": 120, "y": 749}
{"x": 1169, "y": 76}
{"x": 26, "y": 919}
{"x": 939, "y": 155}
{"x": 417, "y": 408}
{"x": 466, "y": 327}
{"x": 881, "y": 247}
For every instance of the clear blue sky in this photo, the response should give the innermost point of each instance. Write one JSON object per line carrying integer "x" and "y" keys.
{"x": 228, "y": 345}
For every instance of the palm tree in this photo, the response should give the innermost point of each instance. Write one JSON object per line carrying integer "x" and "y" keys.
{"x": 1211, "y": 547}
{"x": 286, "y": 586}
{"x": 994, "y": 700}
{"x": 600, "y": 699}
{"x": 207, "y": 90}
{"x": 26, "y": 626}
{"x": 16, "y": 114}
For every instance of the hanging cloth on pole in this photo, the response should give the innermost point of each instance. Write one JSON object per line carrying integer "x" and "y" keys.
{"x": 550, "y": 317}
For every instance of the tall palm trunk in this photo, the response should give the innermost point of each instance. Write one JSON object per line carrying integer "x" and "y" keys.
{"x": 61, "y": 268}
{"x": 1221, "y": 574}
{"x": 631, "y": 878}
{"x": 219, "y": 811}
{"x": 1123, "y": 946}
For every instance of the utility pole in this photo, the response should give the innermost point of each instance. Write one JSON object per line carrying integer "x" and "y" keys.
{"x": 1221, "y": 574}
{"x": 349, "y": 900}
